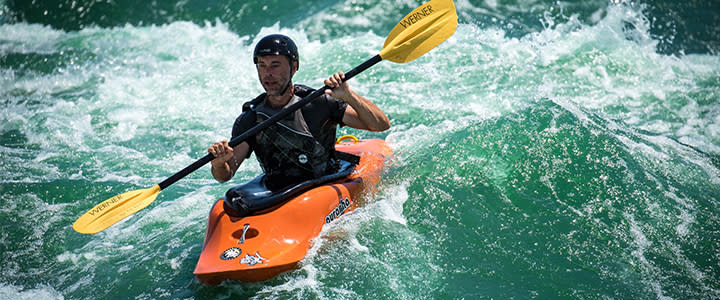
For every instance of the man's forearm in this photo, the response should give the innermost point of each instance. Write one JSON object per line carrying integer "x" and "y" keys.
{"x": 369, "y": 113}
{"x": 221, "y": 173}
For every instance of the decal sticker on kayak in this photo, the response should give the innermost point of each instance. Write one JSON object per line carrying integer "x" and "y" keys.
{"x": 231, "y": 253}
{"x": 252, "y": 259}
{"x": 339, "y": 210}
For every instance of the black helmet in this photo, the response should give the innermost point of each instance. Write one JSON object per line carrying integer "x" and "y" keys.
{"x": 276, "y": 44}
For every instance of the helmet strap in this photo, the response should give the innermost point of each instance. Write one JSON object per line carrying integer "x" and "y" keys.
{"x": 287, "y": 85}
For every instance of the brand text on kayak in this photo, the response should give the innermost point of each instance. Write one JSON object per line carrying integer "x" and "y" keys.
{"x": 344, "y": 204}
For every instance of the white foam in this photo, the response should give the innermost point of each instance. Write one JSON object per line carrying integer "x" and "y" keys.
{"x": 28, "y": 38}
{"x": 391, "y": 205}
{"x": 22, "y": 293}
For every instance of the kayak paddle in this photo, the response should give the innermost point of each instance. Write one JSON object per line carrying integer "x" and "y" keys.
{"x": 417, "y": 33}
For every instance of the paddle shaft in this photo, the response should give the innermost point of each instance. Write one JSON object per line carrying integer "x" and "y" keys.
{"x": 265, "y": 124}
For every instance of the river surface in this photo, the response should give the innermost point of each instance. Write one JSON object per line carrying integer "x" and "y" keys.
{"x": 549, "y": 149}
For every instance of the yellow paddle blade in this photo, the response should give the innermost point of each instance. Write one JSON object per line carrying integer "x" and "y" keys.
{"x": 115, "y": 209}
{"x": 421, "y": 30}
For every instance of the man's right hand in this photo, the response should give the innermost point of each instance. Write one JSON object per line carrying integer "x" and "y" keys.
{"x": 222, "y": 152}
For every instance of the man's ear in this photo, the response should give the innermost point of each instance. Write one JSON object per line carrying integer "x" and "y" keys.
{"x": 296, "y": 66}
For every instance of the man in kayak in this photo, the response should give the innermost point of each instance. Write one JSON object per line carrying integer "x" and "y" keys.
{"x": 301, "y": 146}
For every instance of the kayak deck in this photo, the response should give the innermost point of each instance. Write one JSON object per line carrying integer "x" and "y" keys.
{"x": 258, "y": 247}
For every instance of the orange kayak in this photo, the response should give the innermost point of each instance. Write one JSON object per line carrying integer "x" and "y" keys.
{"x": 260, "y": 246}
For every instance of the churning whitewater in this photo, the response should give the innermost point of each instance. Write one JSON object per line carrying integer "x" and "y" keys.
{"x": 546, "y": 150}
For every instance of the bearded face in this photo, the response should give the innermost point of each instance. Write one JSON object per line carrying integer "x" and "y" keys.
{"x": 275, "y": 73}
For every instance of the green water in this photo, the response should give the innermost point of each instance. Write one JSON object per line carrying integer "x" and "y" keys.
{"x": 549, "y": 150}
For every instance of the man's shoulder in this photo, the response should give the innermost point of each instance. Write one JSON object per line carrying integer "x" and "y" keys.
{"x": 302, "y": 90}
{"x": 247, "y": 118}
{"x": 248, "y": 106}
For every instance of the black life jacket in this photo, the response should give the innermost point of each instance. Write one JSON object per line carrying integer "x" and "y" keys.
{"x": 287, "y": 151}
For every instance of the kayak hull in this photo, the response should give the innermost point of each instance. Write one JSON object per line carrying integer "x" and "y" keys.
{"x": 259, "y": 247}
